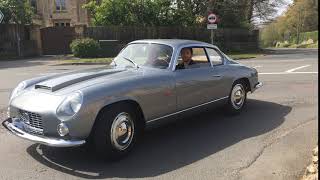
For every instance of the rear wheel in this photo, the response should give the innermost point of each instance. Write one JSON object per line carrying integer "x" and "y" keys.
{"x": 237, "y": 98}
{"x": 116, "y": 131}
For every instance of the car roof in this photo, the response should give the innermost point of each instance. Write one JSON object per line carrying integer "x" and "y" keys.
{"x": 173, "y": 42}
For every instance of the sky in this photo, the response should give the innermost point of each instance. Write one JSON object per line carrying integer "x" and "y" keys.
{"x": 280, "y": 11}
{"x": 283, "y": 8}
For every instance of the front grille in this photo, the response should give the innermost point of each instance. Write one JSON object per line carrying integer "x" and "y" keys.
{"x": 33, "y": 122}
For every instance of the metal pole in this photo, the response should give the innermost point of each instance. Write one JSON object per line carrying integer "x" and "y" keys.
{"x": 212, "y": 36}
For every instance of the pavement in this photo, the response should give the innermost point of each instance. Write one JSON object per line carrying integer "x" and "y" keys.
{"x": 271, "y": 139}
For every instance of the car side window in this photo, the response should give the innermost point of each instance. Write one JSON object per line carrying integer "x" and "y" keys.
{"x": 214, "y": 56}
{"x": 192, "y": 57}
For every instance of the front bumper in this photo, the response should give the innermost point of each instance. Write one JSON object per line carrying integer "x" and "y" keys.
{"x": 258, "y": 85}
{"x": 15, "y": 126}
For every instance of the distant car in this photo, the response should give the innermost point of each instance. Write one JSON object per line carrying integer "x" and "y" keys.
{"x": 110, "y": 106}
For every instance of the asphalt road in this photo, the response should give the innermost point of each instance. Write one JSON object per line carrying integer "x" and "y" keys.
{"x": 271, "y": 139}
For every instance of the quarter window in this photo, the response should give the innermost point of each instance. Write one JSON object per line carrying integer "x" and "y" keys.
{"x": 214, "y": 56}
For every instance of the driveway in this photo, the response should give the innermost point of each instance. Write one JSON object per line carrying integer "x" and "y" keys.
{"x": 271, "y": 139}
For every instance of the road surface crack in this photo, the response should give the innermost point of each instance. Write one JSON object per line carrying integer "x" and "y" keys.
{"x": 273, "y": 140}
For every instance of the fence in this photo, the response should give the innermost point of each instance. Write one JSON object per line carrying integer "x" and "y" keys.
{"x": 30, "y": 40}
{"x": 18, "y": 40}
{"x": 226, "y": 39}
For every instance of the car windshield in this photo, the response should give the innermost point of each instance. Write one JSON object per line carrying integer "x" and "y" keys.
{"x": 144, "y": 54}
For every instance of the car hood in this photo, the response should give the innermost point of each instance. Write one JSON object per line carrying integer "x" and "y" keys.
{"x": 82, "y": 78}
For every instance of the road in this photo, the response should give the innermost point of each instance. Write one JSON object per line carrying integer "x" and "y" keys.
{"x": 271, "y": 139}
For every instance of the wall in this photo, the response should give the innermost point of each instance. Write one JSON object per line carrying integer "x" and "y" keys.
{"x": 47, "y": 14}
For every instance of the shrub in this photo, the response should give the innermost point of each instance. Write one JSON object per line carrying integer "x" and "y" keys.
{"x": 282, "y": 44}
{"x": 85, "y": 48}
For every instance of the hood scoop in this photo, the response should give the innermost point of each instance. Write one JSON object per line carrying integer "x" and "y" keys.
{"x": 69, "y": 79}
{"x": 38, "y": 86}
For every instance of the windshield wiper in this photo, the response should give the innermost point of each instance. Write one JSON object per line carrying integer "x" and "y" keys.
{"x": 128, "y": 59}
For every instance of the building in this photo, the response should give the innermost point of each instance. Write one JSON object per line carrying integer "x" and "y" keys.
{"x": 50, "y": 13}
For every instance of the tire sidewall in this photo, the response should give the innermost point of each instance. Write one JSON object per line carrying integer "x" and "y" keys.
{"x": 102, "y": 131}
{"x": 230, "y": 106}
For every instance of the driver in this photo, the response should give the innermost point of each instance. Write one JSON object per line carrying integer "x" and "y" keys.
{"x": 186, "y": 55}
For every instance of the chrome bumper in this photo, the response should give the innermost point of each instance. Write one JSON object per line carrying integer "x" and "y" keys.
{"x": 15, "y": 127}
{"x": 259, "y": 85}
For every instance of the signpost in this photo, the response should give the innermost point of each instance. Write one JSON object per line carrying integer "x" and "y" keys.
{"x": 212, "y": 20}
{"x": 1, "y": 16}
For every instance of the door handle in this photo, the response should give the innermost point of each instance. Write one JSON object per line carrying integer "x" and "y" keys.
{"x": 216, "y": 75}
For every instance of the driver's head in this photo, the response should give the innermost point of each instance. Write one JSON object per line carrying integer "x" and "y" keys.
{"x": 186, "y": 54}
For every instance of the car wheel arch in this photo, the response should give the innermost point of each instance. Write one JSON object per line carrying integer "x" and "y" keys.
{"x": 131, "y": 102}
{"x": 246, "y": 82}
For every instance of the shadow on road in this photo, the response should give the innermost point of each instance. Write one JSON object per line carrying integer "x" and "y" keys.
{"x": 170, "y": 147}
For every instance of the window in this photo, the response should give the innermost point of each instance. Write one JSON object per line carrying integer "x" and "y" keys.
{"x": 62, "y": 23}
{"x": 60, "y": 5}
{"x": 215, "y": 57}
{"x": 193, "y": 57}
{"x": 33, "y": 4}
{"x": 145, "y": 54}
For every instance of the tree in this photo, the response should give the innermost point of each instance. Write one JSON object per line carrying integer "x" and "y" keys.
{"x": 301, "y": 16}
{"x": 233, "y": 13}
{"x": 16, "y": 11}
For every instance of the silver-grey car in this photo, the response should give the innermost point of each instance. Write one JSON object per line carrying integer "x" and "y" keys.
{"x": 149, "y": 82}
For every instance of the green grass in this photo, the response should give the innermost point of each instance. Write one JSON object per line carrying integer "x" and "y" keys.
{"x": 87, "y": 61}
{"x": 237, "y": 56}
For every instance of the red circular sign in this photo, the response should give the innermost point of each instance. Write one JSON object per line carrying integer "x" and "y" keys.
{"x": 212, "y": 18}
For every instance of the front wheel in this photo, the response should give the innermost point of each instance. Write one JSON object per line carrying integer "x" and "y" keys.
{"x": 237, "y": 98}
{"x": 116, "y": 132}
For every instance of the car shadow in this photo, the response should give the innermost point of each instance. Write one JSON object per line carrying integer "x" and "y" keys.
{"x": 170, "y": 147}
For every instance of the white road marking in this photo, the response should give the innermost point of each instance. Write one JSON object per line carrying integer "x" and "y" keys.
{"x": 300, "y": 67}
{"x": 287, "y": 73}
{"x": 257, "y": 66}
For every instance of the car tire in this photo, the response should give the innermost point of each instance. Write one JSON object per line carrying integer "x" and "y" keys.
{"x": 237, "y": 98}
{"x": 116, "y": 131}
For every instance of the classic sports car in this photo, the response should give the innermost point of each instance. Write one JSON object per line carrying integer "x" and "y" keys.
{"x": 150, "y": 81}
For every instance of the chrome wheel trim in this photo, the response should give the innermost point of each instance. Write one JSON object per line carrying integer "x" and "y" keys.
{"x": 238, "y": 96}
{"x": 122, "y": 131}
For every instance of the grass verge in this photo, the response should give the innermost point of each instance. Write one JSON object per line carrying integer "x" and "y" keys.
{"x": 86, "y": 61}
{"x": 238, "y": 56}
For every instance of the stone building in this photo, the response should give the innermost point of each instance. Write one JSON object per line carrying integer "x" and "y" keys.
{"x": 50, "y": 13}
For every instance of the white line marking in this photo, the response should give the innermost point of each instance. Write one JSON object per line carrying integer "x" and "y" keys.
{"x": 288, "y": 73}
{"x": 257, "y": 66}
{"x": 291, "y": 70}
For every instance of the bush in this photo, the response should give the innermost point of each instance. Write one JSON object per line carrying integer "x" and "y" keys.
{"x": 282, "y": 44}
{"x": 85, "y": 48}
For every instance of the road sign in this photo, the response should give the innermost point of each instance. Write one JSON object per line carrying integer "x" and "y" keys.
{"x": 1, "y": 16}
{"x": 212, "y": 26}
{"x": 212, "y": 18}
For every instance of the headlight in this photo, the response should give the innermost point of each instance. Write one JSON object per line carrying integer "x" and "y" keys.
{"x": 21, "y": 86}
{"x": 70, "y": 106}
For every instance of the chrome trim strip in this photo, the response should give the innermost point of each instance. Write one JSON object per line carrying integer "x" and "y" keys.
{"x": 187, "y": 109}
{"x": 13, "y": 126}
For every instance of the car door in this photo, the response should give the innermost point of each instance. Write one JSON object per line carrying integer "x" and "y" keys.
{"x": 198, "y": 83}
{"x": 224, "y": 83}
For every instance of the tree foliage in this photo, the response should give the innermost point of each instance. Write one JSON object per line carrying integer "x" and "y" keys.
{"x": 301, "y": 16}
{"x": 232, "y": 13}
{"x": 16, "y": 11}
